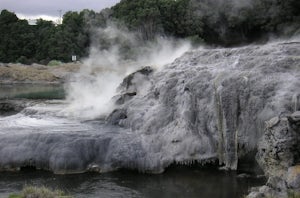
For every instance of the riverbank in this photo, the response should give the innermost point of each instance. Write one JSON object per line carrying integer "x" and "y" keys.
{"x": 36, "y": 74}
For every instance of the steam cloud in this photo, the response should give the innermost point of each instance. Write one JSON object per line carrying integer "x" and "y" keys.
{"x": 115, "y": 53}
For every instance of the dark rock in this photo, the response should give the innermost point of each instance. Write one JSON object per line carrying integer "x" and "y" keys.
{"x": 116, "y": 116}
{"x": 128, "y": 81}
{"x": 11, "y": 107}
{"x": 295, "y": 117}
{"x": 121, "y": 99}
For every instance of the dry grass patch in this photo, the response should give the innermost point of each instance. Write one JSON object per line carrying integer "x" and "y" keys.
{"x": 40, "y": 192}
{"x": 20, "y": 73}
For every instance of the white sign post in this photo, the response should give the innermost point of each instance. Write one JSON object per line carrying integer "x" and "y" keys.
{"x": 74, "y": 58}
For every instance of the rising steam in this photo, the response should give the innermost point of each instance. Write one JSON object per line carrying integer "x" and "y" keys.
{"x": 114, "y": 54}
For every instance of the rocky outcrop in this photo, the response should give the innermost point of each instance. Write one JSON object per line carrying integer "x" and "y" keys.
{"x": 210, "y": 105}
{"x": 279, "y": 156}
{"x": 279, "y": 148}
{"x": 130, "y": 85}
{"x": 10, "y": 107}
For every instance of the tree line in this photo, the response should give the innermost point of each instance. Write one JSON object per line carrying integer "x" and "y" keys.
{"x": 220, "y": 22}
{"x": 216, "y": 22}
{"x": 45, "y": 41}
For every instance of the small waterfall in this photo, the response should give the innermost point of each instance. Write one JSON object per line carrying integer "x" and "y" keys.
{"x": 296, "y": 101}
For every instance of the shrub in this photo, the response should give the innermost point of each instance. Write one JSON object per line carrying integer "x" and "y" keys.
{"x": 54, "y": 63}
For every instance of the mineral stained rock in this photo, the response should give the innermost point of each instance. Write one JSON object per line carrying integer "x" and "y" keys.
{"x": 208, "y": 105}
{"x": 211, "y": 103}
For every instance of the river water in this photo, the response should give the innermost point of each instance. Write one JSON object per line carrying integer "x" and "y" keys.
{"x": 177, "y": 181}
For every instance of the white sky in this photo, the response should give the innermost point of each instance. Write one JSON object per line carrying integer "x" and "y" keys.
{"x": 49, "y": 9}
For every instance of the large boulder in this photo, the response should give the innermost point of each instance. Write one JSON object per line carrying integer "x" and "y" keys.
{"x": 279, "y": 147}
{"x": 279, "y": 156}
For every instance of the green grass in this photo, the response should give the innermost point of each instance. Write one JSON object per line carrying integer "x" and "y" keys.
{"x": 39, "y": 192}
{"x": 14, "y": 196}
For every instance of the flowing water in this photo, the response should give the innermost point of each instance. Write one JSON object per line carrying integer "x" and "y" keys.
{"x": 42, "y": 119}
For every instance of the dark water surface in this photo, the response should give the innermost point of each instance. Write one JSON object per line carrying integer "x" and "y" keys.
{"x": 177, "y": 181}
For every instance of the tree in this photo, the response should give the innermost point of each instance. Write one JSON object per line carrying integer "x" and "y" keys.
{"x": 43, "y": 31}
{"x": 141, "y": 16}
{"x": 17, "y": 38}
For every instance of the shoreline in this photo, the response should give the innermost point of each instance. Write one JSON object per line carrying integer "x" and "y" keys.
{"x": 36, "y": 74}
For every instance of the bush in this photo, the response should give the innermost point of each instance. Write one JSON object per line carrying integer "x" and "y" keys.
{"x": 54, "y": 63}
{"x": 23, "y": 60}
{"x": 196, "y": 40}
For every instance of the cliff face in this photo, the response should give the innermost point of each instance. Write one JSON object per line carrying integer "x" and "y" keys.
{"x": 210, "y": 104}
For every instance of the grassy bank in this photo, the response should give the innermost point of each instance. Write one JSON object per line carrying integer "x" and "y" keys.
{"x": 39, "y": 192}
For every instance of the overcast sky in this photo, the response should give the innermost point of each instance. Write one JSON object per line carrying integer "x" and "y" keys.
{"x": 50, "y": 8}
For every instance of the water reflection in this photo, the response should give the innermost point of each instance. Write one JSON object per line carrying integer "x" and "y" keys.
{"x": 32, "y": 91}
{"x": 175, "y": 182}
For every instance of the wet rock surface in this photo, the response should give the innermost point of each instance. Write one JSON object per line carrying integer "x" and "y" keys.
{"x": 11, "y": 107}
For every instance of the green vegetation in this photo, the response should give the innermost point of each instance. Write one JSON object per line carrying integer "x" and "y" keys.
{"x": 24, "y": 43}
{"x": 217, "y": 22}
{"x": 54, "y": 63}
{"x": 152, "y": 17}
{"x": 222, "y": 22}
{"x": 39, "y": 192}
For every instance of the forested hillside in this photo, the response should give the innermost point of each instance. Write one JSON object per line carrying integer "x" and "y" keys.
{"x": 223, "y": 22}
{"x": 216, "y": 22}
